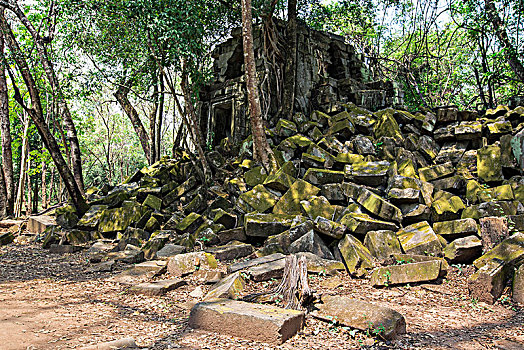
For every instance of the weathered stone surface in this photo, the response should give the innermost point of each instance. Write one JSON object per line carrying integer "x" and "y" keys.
{"x": 77, "y": 237}
{"x": 153, "y": 202}
{"x": 509, "y": 251}
{"x": 323, "y": 176}
{"x": 361, "y": 223}
{"x": 183, "y": 264}
{"x": 265, "y": 225}
{"x": 517, "y": 146}
{"x": 245, "y": 320}
{"x": 383, "y": 321}
{"x": 493, "y": 230}
{"x": 124, "y": 343}
{"x": 157, "y": 287}
{"x": 318, "y": 207}
{"x": 356, "y": 256}
{"x": 329, "y": 228}
{"x": 518, "y": 285}
{"x": 131, "y": 255}
{"x": 382, "y": 244}
{"x": 368, "y": 173}
{"x": 189, "y": 224}
{"x": 489, "y": 166}
{"x": 378, "y": 206}
{"x": 316, "y": 264}
{"x": 231, "y": 251}
{"x": 280, "y": 180}
{"x": 446, "y": 206}
{"x": 154, "y": 244}
{"x": 91, "y": 218}
{"x": 170, "y": 250}
{"x": 229, "y": 287}
{"x": 119, "y": 219}
{"x": 289, "y": 203}
{"x": 235, "y": 234}
{"x": 224, "y": 218}
{"x": 6, "y": 238}
{"x": 456, "y": 228}
{"x": 255, "y": 176}
{"x": 463, "y": 250}
{"x": 311, "y": 242}
{"x": 63, "y": 249}
{"x": 267, "y": 271}
{"x": 436, "y": 171}
{"x": 254, "y": 262}
{"x": 38, "y": 224}
{"x": 406, "y": 273}
{"x": 487, "y": 284}
{"x": 419, "y": 238}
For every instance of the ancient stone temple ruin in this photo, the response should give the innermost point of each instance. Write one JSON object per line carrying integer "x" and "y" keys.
{"x": 328, "y": 71}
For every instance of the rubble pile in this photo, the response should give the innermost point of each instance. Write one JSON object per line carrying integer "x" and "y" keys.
{"x": 391, "y": 195}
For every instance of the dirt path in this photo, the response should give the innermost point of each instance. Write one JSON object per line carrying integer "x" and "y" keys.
{"x": 53, "y": 302}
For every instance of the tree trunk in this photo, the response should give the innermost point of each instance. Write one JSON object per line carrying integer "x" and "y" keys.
{"x": 5, "y": 130}
{"x": 23, "y": 169}
{"x": 37, "y": 115}
{"x": 158, "y": 136}
{"x": 130, "y": 111}
{"x": 261, "y": 150}
{"x": 44, "y": 186}
{"x": 152, "y": 121}
{"x": 3, "y": 196}
{"x": 69, "y": 126}
{"x": 509, "y": 50}
{"x": 290, "y": 70}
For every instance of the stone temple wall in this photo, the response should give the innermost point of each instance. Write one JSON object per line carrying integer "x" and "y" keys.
{"x": 329, "y": 71}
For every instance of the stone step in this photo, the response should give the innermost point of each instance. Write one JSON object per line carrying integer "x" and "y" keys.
{"x": 258, "y": 322}
{"x": 157, "y": 287}
{"x": 407, "y": 273}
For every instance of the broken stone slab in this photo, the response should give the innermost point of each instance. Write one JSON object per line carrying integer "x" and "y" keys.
{"x": 493, "y": 230}
{"x": 510, "y": 251}
{"x": 517, "y": 147}
{"x": 235, "y": 234}
{"x": 518, "y": 285}
{"x": 419, "y": 238}
{"x": 208, "y": 276}
{"x": 489, "y": 166}
{"x": 378, "y": 206}
{"x": 106, "y": 266}
{"x": 436, "y": 171}
{"x": 63, "y": 249}
{"x": 415, "y": 258}
{"x": 224, "y": 218}
{"x": 311, "y": 242}
{"x": 382, "y": 244}
{"x": 406, "y": 273}
{"x": 289, "y": 203}
{"x": 157, "y": 287}
{"x": 254, "y": 262}
{"x": 265, "y": 225}
{"x": 259, "y": 199}
{"x": 184, "y": 264}
{"x": 258, "y": 322}
{"x": 6, "y": 238}
{"x": 255, "y": 176}
{"x": 231, "y": 251}
{"x": 487, "y": 284}
{"x": 279, "y": 180}
{"x": 456, "y": 228}
{"x": 170, "y": 250}
{"x": 368, "y": 173}
{"x": 131, "y": 255}
{"x": 119, "y": 219}
{"x": 329, "y": 227}
{"x": 404, "y": 195}
{"x": 267, "y": 271}
{"x": 359, "y": 223}
{"x": 189, "y": 224}
{"x": 380, "y": 320}
{"x": 318, "y": 207}
{"x": 463, "y": 250}
{"x": 356, "y": 256}
{"x": 38, "y": 224}
{"x": 228, "y": 287}
{"x": 91, "y": 218}
{"x": 446, "y": 206}
{"x": 153, "y": 202}
{"x": 317, "y": 265}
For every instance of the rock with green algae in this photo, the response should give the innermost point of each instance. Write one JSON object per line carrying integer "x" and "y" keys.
{"x": 349, "y": 158}
{"x": 476, "y": 192}
{"x": 488, "y": 283}
{"x": 489, "y": 166}
{"x": 228, "y": 220}
{"x": 259, "y": 199}
{"x": 359, "y": 223}
{"x": 329, "y": 227}
{"x": 286, "y": 128}
{"x": 189, "y": 224}
{"x": 446, "y": 206}
{"x": 312, "y": 243}
{"x": 456, "y": 228}
{"x": 119, "y": 219}
{"x": 517, "y": 147}
{"x": 153, "y": 202}
{"x": 317, "y": 176}
{"x": 510, "y": 251}
{"x": 90, "y": 219}
{"x": 406, "y": 168}
{"x": 289, "y": 203}
{"x": 468, "y": 130}
{"x": 183, "y": 264}
{"x": 435, "y": 172}
{"x": 382, "y": 244}
{"x": 368, "y": 173}
{"x": 255, "y": 176}
{"x": 387, "y": 126}
{"x": 230, "y": 287}
{"x": 265, "y": 225}
{"x": 463, "y": 250}
{"x": 154, "y": 244}
{"x": 279, "y": 180}
{"x": 406, "y": 273}
{"x": 356, "y": 256}
{"x": 494, "y": 208}
{"x": 378, "y": 206}
{"x": 178, "y": 192}
{"x": 318, "y": 206}
{"x": 419, "y": 238}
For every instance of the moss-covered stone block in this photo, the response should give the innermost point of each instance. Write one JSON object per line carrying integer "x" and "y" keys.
{"x": 359, "y": 223}
{"x": 286, "y": 128}
{"x": 489, "y": 166}
{"x": 289, "y": 203}
{"x": 190, "y": 223}
{"x": 318, "y": 206}
{"x": 255, "y": 176}
{"x": 323, "y": 176}
{"x": 153, "y": 202}
{"x": 382, "y": 244}
{"x": 419, "y": 238}
{"x": 265, "y": 225}
{"x": 378, "y": 206}
{"x": 119, "y": 219}
{"x": 258, "y": 199}
{"x": 435, "y": 172}
{"x": 356, "y": 256}
{"x": 280, "y": 180}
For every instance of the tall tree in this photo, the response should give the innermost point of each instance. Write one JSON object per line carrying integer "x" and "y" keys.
{"x": 5, "y": 130}
{"x": 36, "y": 113}
{"x": 261, "y": 150}
{"x": 71, "y": 133}
{"x": 291, "y": 60}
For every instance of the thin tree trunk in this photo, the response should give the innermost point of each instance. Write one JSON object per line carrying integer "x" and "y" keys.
{"x": 261, "y": 150}
{"x": 152, "y": 119}
{"x": 44, "y": 186}
{"x": 160, "y": 118}
{"x": 291, "y": 60}
{"x": 23, "y": 168}
{"x": 29, "y": 202}
{"x": 69, "y": 126}
{"x": 502, "y": 35}
{"x": 51, "y": 187}
{"x": 3, "y": 196}
{"x": 130, "y": 111}
{"x": 5, "y": 130}
{"x": 37, "y": 115}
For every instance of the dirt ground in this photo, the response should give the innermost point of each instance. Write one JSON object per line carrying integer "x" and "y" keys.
{"x": 52, "y": 301}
